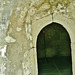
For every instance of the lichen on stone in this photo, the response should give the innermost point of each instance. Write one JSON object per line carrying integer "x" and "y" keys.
{"x": 17, "y": 32}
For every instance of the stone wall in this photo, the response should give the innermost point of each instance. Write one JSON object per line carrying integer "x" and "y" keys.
{"x": 28, "y": 17}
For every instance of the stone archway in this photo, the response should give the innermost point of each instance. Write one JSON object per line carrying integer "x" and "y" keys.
{"x": 53, "y": 46}
{"x": 40, "y": 24}
{"x": 26, "y": 21}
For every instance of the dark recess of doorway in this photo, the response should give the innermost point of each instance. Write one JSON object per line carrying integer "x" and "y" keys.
{"x": 55, "y": 39}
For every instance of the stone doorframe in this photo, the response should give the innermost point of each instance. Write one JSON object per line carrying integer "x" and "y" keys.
{"x": 38, "y": 25}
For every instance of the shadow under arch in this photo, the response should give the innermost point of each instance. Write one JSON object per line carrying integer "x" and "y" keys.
{"x": 46, "y": 52}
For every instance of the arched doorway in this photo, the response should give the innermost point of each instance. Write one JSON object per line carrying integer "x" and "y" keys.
{"x": 54, "y": 51}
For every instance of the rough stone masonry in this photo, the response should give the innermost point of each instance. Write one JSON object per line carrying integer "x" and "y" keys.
{"x": 16, "y": 37}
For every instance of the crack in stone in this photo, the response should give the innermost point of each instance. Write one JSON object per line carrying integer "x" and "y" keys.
{"x": 31, "y": 48}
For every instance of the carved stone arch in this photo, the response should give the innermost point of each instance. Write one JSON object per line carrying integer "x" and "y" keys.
{"x": 38, "y": 25}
